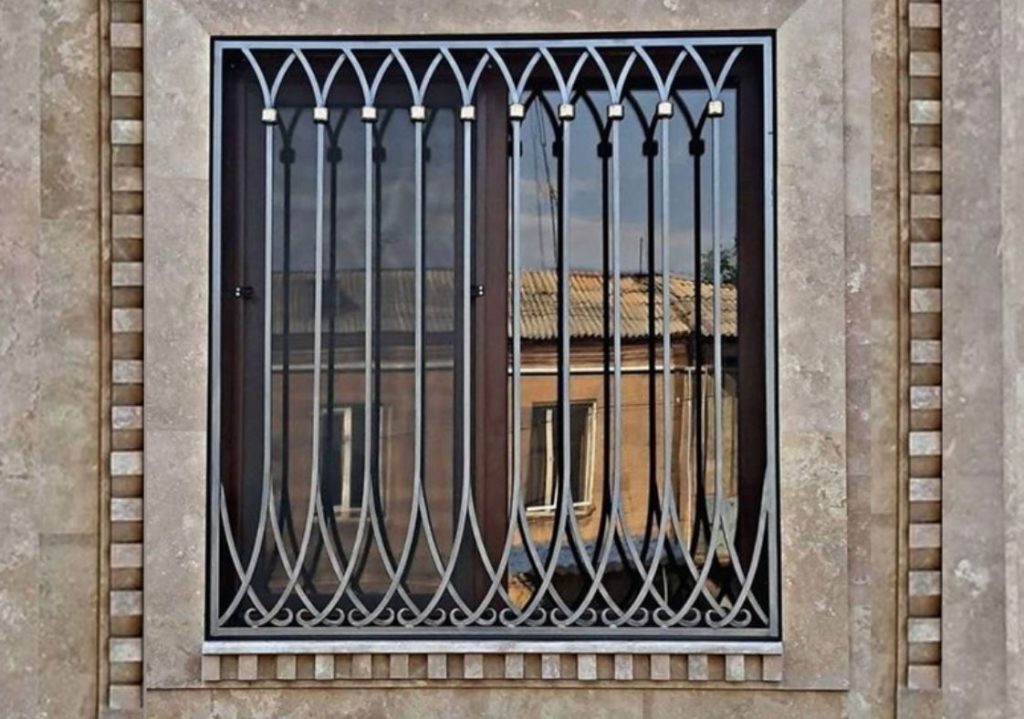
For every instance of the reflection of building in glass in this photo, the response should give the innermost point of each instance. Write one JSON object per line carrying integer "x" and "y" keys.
{"x": 345, "y": 474}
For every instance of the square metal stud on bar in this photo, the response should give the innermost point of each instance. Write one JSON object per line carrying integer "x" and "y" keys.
{"x": 417, "y": 113}
{"x": 665, "y": 109}
{"x": 615, "y": 111}
{"x": 320, "y": 114}
{"x": 268, "y": 116}
{"x": 567, "y": 111}
{"x": 368, "y": 113}
{"x": 467, "y": 112}
{"x": 517, "y": 111}
{"x": 716, "y": 108}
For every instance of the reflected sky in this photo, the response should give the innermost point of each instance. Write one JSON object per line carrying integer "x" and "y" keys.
{"x": 345, "y": 191}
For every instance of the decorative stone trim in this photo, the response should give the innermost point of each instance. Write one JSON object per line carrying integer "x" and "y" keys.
{"x": 508, "y": 667}
{"x": 923, "y": 395}
{"x": 123, "y": 253}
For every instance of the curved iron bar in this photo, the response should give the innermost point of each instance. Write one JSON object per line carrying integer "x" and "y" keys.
{"x": 398, "y": 573}
{"x": 701, "y": 528}
{"x": 269, "y": 97}
{"x": 717, "y": 528}
{"x": 554, "y": 551}
{"x": 615, "y": 89}
{"x": 311, "y": 510}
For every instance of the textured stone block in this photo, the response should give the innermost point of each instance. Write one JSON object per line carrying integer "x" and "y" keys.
{"x": 735, "y": 668}
{"x": 925, "y": 64}
{"x": 126, "y": 132}
{"x": 126, "y": 227}
{"x": 926, "y": 15}
{"x": 209, "y": 668}
{"x": 925, "y": 489}
{"x": 473, "y": 666}
{"x": 285, "y": 667}
{"x": 125, "y": 509}
{"x": 926, "y": 398}
{"x": 623, "y": 667}
{"x": 661, "y": 667}
{"x": 125, "y": 34}
{"x": 925, "y": 444}
{"x": 925, "y": 583}
{"x": 125, "y": 555}
{"x": 398, "y": 666}
{"x": 126, "y": 179}
{"x": 925, "y": 159}
{"x": 514, "y": 666}
{"x": 926, "y": 351}
{"x": 926, "y": 300}
{"x": 771, "y": 668}
{"x": 437, "y": 666}
{"x": 126, "y": 274}
{"x": 126, "y": 320}
{"x": 126, "y": 603}
{"x": 926, "y": 254}
{"x": 323, "y": 667}
{"x": 923, "y": 676}
{"x": 124, "y": 649}
{"x": 925, "y": 112}
{"x": 125, "y": 84}
{"x": 550, "y": 666}
{"x": 127, "y": 371}
{"x": 362, "y": 666}
{"x": 248, "y": 667}
{"x": 125, "y": 696}
{"x": 925, "y": 536}
{"x": 586, "y": 667}
{"x": 921, "y": 629}
{"x": 926, "y": 207}
{"x": 697, "y": 667}
{"x": 126, "y": 417}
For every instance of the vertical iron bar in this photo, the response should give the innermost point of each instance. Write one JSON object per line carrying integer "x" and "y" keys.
{"x": 616, "y": 233}
{"x": 370, "y": 423}
{"x": 517, "y": 361}
{"x": 653, "y": 508}
{"x": 716, "y": 239}
{"x": 318, "y": 297}
{"x": 564, "y": 329}
{"x": 418, "y": 388}
{"x": 286, "y": 188}
{"x": 771, "y": 478}
{"x": 334, "y": 466}
{"x": 607, "y": 520}
{"x": 696, "y": 336}
{"x": 667, "y": 389}
{"x": 216, "y": 300}
{"x": 268, "y": 303}
{"x": 467, "y": 146}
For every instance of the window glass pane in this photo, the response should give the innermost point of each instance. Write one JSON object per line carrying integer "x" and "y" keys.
{"x": 541, "y": 456}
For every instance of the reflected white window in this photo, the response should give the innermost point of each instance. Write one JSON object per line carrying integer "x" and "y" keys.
{"x": 542, "y": 485}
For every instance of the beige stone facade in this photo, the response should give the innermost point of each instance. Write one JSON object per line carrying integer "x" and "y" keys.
{"x": 900, "y": 218}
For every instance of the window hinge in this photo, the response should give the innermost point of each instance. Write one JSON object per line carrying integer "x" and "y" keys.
{"x": 244, "y": 292}
{"x": 477, "y": 291}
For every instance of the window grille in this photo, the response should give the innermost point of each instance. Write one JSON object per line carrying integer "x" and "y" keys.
{"x": 517, "y": 261}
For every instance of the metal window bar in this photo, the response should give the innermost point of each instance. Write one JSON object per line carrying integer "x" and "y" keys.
{"x": 705, "y": 597}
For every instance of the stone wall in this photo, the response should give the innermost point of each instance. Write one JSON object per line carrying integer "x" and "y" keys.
{"x": 900, "y": 222}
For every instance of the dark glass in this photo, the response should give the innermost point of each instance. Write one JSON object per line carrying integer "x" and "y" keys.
{"x": 382, "y": 488}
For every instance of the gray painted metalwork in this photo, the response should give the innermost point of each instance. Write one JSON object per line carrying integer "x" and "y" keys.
{"x": 297, "y": 605}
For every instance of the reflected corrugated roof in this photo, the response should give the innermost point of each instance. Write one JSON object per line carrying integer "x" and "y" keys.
{"x": 539, "y": 305}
